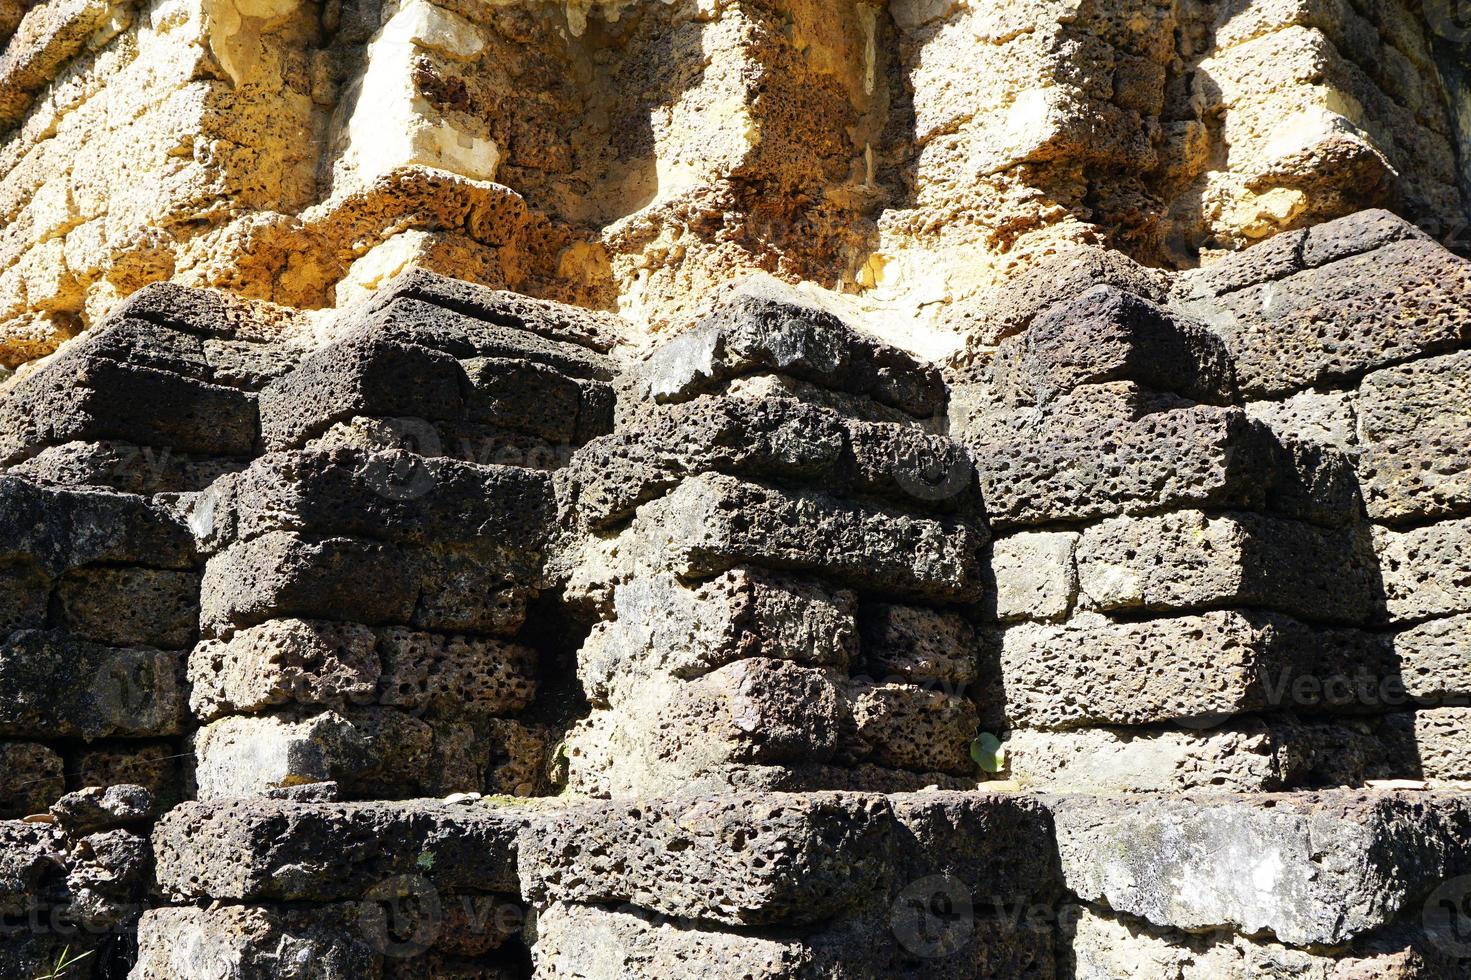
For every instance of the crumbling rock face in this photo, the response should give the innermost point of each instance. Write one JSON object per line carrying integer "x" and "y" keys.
{"x": 907, "y": 160}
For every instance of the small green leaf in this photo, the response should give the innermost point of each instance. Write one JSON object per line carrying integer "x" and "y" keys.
{"x": 988, "y": 752}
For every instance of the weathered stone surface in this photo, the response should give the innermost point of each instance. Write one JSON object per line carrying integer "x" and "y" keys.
{"x": 1324, "y": 417}
{"x": 1191, "y": 560}
{"x": 97, "y": 808}
{"x": 1085, "y": 460}
{"x": 921, "y": 646}
{"x": 524, "y": 396}
{"x": 450, "y": 675}
{"x": 52, "y": 686}
{"x": 782, "y": 441}
{"x": 1237, "y": 758}
{"x": 90, "y": 398}
{"x": 1107, "y": 335}
{"x": 1291, "y": 252}
{"x": 124, "y": 467}
{"x": 1412, "y": 422}
{"x": 662, "y": 626}
{"x": 393, "y": 497}
{"x": 1424, "y": 571}
{"x": 243, "y": 942}
{"x": 554, "y": 321}
{"x": 904, "y": 726}
{"x": 1036, "y": 575}
{"x": 278, "y": 851}
{"x": 1193, "y": 670}
{"x": 1336, "y": 322}
{"x": 1311, "y": 869}
{"x": 130, "y": 606}
{"x": 580, "y": 940}
{"x": 410, "y": 320}
{"x": 363, "y": 374}
{"x": 282, "y": 575}
{"x": 711, "y": 523}
{"x": 30, "y": 778}
{"x": 284, "y": 661}
{"x": 209, "y": 313}
{"x": 1429, "y": 744}
{"x": 1435, "y": 659}
{"x": 741, "y": 861}
{"x": 1109, "y": 946}
{"x": 764, "y": 325}
{"x": 62, "y": 529}
{"x": 1058, "y": 277}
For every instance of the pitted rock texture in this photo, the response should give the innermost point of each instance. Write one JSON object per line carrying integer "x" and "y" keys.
{"x": 455, "y": 635}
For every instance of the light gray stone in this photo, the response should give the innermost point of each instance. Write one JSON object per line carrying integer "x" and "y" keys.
{"x": 1311, "y": 869}
{"x": 1036, "y": 575}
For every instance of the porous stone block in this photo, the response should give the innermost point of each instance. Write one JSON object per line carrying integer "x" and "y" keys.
{"x": 30, "y": 779}
{"x": 145, "y": 470}
{"x": 664, "y": 627}
{"x": 53, "y": 686}
{"x": 209, "y": 313}
{"x": 59, "y": 529}
{"x": 781, "y": 440}
{"x": 764, "y": 325}
{"x": 1191, "y": 670}
{"x": 93, "y": 399}
{"x": 921, "y": 646}
{"x": 1429, "y": 743}
{"x": 1423, "y": 570}
{"x": 554, "y": 321}
{"x": 396, "y": 497}
{"x": 1108, "y": 946}
{"x": 1335, "y": 322}
{"x": 1240, "y": 757}
{"x": 1056, "y": 277}
{"x": 280, "y": 851}
{"x": 712, "y": 523}
{"x": 453, "y": 675}
{"x": 904, "y": 726}
{"x": 1435, "y": 659}
{"x": 284, "y": 661}
{"x": 370, "y": 752}
{"x": 252, "y": 942}
{"x": 667, "y": 736}
{"x": 1192, "y": 560}
{"x": 1129, "y": 456}
{"x": 130, "y": 606}
{"x": 575, "y": 940}
{"x": 280, "y": 575}
{"x": 1036, "y": 575}
{"x": 153, "y": 765}
{"x": 414, "y": 321}
{"x": 25, "y": 592}
{"x": 363, "y": 374}
{"x": 1412, "y": 423}
{"x": 1107, "y": 335}
{"x": 474, "y": 592}
{"x": 524, "y": 396}
{"x": 730, "y": 860}
{"x": 1309, "y": 869}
